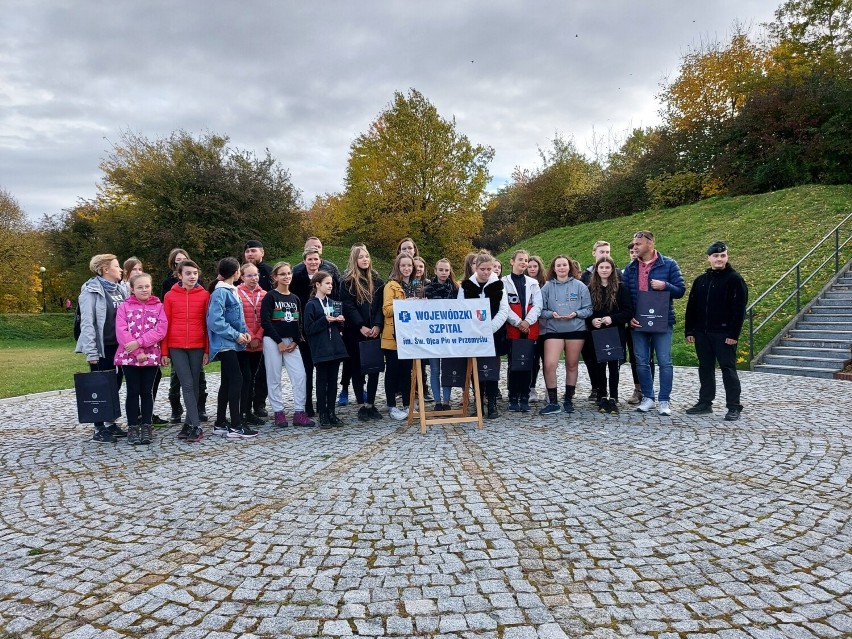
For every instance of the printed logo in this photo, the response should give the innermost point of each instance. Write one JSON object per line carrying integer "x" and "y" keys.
{"x": 481, "y": 315}
{"x": 651, "y": 311}
{"x": 94, "y": 395}
{"x": 404, "y": 317}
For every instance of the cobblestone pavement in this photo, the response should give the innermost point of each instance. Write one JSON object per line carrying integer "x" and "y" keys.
{"x": 588, "y": 526}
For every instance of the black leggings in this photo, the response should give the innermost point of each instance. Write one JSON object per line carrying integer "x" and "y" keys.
{"x": 230, "y": 388}
{"x": 251, "y": 367}
{"x": 327, "y": 385}
{"x": 140, "y": 390}
{"x": 397, "y": 378}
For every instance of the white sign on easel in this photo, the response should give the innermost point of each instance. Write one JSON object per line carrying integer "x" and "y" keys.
{"x": 443, "y": 328}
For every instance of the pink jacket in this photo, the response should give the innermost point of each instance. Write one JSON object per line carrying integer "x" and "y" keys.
{"x": 145, "y": 323}
{"x": 251, "y": 311}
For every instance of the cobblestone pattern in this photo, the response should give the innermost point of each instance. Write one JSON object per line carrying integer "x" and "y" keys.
{"x": 583, "y": 526}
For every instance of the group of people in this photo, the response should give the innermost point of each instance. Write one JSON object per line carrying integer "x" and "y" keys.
{"x": 312, "y": 320}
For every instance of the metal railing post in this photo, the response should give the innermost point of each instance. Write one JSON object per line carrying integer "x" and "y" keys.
{"x": 836, "y": 250}
{"x": 798, "y": 288}
{"x": 750, "y": 335}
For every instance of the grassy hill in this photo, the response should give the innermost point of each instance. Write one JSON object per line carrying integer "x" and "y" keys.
{"x": 766, "y": 235}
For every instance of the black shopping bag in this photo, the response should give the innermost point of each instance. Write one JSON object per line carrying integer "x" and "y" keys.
{"x": 97, "y": 396}
{"x": 453, "y": 371}
{"x": 521, "y": 355}
{"x": 652, "y": 311}
{"x": 607, "y": 343}
{"x": 488, "y": 369}
{"x": 372, "y": 359}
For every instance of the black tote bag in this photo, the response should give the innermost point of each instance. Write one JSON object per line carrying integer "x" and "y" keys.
{"x": 453, "y": 370}
{"x": 521, "y": 355}
{"x": 372, "y": 359}
{"x": 97, "y": 396}
{"x": 607, "y": 343}
{"x": 488, "y": 369}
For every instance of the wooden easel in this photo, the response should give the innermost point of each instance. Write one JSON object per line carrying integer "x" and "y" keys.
{"x": 455, "y": 416}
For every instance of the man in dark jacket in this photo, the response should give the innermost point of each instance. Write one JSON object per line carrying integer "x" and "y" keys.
{"x": 652, "y": 271}
{"x": 715, "y": 313}
{"x": 253, "y": 253}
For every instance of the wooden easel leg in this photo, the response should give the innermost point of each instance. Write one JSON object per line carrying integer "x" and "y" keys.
{"x": 477, "y": 394}
{"x": 412, "y": 390}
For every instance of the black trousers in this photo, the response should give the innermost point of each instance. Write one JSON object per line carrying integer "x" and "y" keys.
{"x": 710, "y": 348}
{"x": 397, "y": 377}
{"x": 327, "y": 385}
{"x": 140, "y": 392}
{"x": 253, "y": 392}
{"x": 105, "y": 363}
{"x": 230, "y": 388}
{"x": 308, "y": 362}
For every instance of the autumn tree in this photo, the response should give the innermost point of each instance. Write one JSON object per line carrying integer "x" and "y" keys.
{"x": 195, "y": 192}
{"x": 20, "y": 259}
{"x": 809, "y": 31}
{"x": 414, "y": 174}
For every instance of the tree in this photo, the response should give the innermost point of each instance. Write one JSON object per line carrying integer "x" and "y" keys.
{"x": 194, "y": 192}
{"x": 20, "y": 255}
{"x": 811, "y": 30}
{"x": 413, "y": 174}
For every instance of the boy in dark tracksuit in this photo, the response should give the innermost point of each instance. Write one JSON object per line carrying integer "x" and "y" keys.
{"x": 714, "y": 318}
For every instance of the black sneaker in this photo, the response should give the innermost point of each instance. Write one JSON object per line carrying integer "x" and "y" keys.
{"x": 364, "y": 414}
{"x": 334, "y": 419}
{"x": 514, "y": 406}
{"x": 195, "y": 434}
{"x": 133, "y": 435}
{"x": 732, "y": 415}
{"x": 221, "y": 428}
{"x": 524, "y": 405}
{"x": 612, "y": 407}
{"x": 156, "y": 420}
{"x": 103, "y": 436}
{"x": 185, "y": 431}
{"x": 701, "y": 408}
{"x": 568, "y": 406}
{"x": 261, "y": 411}
{"x": 145, "y": 435}
{"x": 375, "y": 415}
{"x": 176, "y": 418}
{"x": 202, "y": 416}
{"x": 551, "y": 409}
{"x": 116, "y": 431}
{"x": 253, "y": 420}
{"x": 241, "y": 432}
{"x": 603, "y": 405}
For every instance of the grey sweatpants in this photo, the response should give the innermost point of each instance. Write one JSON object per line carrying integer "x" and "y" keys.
{"x": 186, "y": 363}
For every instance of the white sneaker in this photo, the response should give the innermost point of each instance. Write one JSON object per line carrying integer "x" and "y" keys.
{"x": 398, "y": 413}
{"x": 646, "y": 404}
{"x": 665, "y": 409}
{"x": 533, "y": 396}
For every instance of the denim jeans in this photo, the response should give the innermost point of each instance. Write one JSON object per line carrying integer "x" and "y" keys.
{"x": 438, "y": 392}
{"x": 662, "y": 345}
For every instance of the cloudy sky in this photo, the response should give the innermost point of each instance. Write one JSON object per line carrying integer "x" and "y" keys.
{"x": 305, "y": 78}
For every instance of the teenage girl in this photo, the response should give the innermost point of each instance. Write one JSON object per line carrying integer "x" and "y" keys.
{"x": 612, "y": 305}
{"x": 176, "y": 256}
{"x": 280, "y": 316}
{"x": 99, "y": 299}
{"x": 140, "y": 326}
{"x": 397, "y": 371}
{"x": 131, "y": 266}
{"x": 228, "y": 334}
{"x": 253, "y": 393}
{"x": 186, "y": 344}
{"x": 421, "y": 277}
{"x": 485, "y": 284}
{"x": 323, "y": 327}
{"x": 359, "y": 292}
{"x": 536, "y": 270}
{"x": 441, "y": 287}
{"x": 565, "y": 304}
{"x": 524, "y": 297}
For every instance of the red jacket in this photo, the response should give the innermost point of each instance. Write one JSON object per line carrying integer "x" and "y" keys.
{"x": 186, "y": 311}
{"x": 251, "y": 311}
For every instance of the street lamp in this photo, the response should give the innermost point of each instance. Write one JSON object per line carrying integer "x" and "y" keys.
{"x": 42, "y": 271}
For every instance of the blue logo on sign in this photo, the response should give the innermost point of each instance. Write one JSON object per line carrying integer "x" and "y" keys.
{"x": 404, "y": 317}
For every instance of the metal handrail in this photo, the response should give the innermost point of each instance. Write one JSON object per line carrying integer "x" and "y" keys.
{"x": 796, "y": 268}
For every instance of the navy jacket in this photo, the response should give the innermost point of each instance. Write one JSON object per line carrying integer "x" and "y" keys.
{"x": 665, "y": 269}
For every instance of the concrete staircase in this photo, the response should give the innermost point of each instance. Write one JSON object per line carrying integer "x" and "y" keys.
{"x": 819, "y": 342}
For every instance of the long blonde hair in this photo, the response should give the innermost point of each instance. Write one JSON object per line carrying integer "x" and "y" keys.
{"x": 359, "y": 282}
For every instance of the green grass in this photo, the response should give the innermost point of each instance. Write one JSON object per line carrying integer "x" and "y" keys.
{"x": 37, "y": 326}
{"x": 766, "y": 235}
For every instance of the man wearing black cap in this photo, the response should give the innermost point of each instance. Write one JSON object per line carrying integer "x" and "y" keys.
{"x": 714, "y": 318}
{"x": 253, "y": 253}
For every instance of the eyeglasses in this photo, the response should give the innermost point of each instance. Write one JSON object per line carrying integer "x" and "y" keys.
{"x": 640, "y": 234}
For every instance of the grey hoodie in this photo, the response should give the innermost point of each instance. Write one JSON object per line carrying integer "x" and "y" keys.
{"x": 570, "y": 296}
